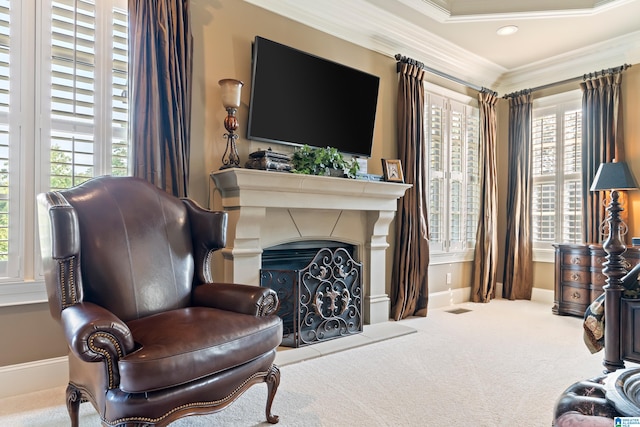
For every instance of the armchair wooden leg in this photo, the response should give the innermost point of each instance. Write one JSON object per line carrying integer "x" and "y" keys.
{"x": 74, "y": 398}
{"x": 273, "y": 381}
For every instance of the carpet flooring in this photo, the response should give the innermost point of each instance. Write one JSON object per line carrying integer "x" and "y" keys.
{"x": 503, "y": 363}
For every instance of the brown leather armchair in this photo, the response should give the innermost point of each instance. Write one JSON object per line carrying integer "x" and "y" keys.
{"x": 151, "y": 337}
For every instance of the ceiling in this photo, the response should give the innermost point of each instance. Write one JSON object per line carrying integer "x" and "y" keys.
{"x": 556, "y": 39}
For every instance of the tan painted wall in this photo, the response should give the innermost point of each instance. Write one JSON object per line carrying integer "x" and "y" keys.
{"x": 28, "y": 333}
{"x": 223, "y": 31}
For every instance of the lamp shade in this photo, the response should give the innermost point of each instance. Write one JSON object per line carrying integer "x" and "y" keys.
{"x": 613, "y": 176}
{"x": 231, "y": 89}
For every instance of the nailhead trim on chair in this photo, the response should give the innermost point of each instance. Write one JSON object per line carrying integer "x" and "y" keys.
{"x": 70, "y": 262}
{"x": 208, "y": 276}
{"x": 267, "y": 305}
{"x": 106, "y": 354}
{"x": 190, "y": 405}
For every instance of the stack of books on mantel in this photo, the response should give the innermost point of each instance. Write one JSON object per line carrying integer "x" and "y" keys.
{"x": 269, "y": 160}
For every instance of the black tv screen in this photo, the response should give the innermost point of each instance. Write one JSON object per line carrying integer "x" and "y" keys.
{"x": 298, "y": 98}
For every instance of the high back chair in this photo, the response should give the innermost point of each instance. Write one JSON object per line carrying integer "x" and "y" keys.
{"x": 151, "y": 338}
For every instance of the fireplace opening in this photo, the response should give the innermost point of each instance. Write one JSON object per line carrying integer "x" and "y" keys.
{"x": 319, "y": 285}
{"x": 297, "y": 255}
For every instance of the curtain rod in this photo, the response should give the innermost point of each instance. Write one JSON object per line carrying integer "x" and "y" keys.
{"x": 403, "y": 59}
{"x": 583, "y": 77}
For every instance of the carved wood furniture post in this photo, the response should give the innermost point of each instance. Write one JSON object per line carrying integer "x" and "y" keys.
{"x": 614, "y": 270}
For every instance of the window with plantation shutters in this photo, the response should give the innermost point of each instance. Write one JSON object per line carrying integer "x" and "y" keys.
{"x": 452, "y": 138}
{"x": 556, "y": 165}
{"x": 88, "y": 109}
{"x": 63, "y": 116}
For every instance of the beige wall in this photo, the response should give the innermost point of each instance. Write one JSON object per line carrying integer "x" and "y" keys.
{"x": 223, "y": 31}
{"x": 28, "y": 333}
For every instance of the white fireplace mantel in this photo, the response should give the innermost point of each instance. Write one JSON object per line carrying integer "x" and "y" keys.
{"x": 269, "y": 208}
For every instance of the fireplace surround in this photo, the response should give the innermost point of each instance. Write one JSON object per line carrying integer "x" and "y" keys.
{"x": 268, "y": 208}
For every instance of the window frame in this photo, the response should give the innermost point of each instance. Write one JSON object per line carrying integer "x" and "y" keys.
{"x": 449, "y": 255}
{"x": 560, "y": 103}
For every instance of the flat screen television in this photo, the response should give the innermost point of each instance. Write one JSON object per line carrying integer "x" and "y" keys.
{"x": 298, "y": 98}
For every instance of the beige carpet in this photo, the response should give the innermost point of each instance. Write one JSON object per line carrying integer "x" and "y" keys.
{"x": 500, "y": 364}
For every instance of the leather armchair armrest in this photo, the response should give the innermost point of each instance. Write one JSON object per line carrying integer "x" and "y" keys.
{"x": 95, "y": 334}
{"x": 209, "y": 233}
{"x": 254, "y": 300}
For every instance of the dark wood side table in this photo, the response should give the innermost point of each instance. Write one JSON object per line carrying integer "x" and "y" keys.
{"x": 578, "y": 275}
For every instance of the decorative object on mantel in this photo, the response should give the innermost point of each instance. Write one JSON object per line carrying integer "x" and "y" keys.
{"x": 326, "y": 161}
{"x": 369, "y": 176}
{"x": 392, "y": 170}
{"x": 269, "y": 160}
{"x": 613, "y": 176}
{"x": 231, "y": 89}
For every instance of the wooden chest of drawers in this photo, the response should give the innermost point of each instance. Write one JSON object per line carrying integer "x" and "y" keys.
{"x": 578, "y": 275}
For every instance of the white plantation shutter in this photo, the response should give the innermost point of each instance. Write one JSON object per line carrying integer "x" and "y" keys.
{"x": 456, "y": 179}
{"x": 452, "y": 133}
{"x": 120, "y": 152}
{"x": 436, "y": 124}
{"x": 572, "y": 161}
{"x": 556, "y": 160}
{"x": 87, "y": 116}
{"x": 9, "y": 213}
{"x": 544, "y": 157}
{"x": 472, "y": 153}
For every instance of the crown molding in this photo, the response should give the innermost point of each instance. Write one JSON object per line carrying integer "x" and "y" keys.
{"x": 369, "y": 26}
{"x": 441, "y": 10}
{"x": 608, "y": 54}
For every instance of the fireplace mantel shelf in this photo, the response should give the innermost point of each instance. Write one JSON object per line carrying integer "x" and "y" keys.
{"x": 268, "y": 208}
{"x": 252, "y": 187}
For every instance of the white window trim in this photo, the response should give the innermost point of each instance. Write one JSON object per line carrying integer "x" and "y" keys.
{"x": 467, "y": 254}
{"x": 545, "y": 252}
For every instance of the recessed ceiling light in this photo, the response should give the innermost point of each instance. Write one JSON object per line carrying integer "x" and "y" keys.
{"x": 507, "y": 30}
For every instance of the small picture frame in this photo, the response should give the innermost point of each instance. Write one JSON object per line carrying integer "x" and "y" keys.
{"x": 392, "y": 169}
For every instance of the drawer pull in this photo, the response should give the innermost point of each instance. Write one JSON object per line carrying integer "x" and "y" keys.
{"x": 575, "y": 277}
{"x": 576, "y": 260}
{"x": 575, "y": 295}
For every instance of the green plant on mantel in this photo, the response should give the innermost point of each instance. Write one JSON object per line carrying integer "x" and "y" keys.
{"x": 322, "y": 161}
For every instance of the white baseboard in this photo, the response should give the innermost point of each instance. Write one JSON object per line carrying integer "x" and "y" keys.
{"x": 461, "y": 295}
{"x": 450, "y": 297}
{"x": 33, "y": 376}
{"x": 542, "y": 295}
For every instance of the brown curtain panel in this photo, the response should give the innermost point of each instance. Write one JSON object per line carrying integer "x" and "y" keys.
{"x": 160, "y": 70}
{"x": 602, "y": 141}
{"x": 409, "y": 285}
{"x": 518, "y": 258}
{"x": 485, "y": 260}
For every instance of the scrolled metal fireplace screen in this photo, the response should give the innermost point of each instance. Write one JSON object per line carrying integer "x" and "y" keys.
{"x": 321, "y": 301}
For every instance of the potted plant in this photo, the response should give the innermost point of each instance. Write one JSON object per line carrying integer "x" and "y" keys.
{"x": 326, "y": 161}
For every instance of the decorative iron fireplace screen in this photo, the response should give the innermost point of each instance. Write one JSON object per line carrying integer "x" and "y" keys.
{"x": 321, "y": 301}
